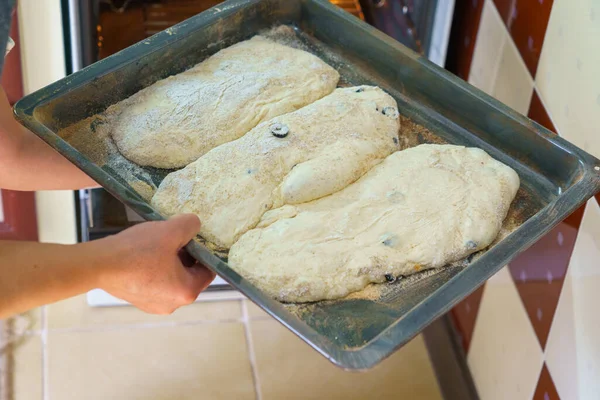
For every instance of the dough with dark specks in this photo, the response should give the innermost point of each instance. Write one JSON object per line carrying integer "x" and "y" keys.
{"x": 421, "y": 208}
{"x": 176, "y": 120}
{"x": 330, "y": 144}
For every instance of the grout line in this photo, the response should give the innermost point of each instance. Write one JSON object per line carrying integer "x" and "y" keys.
{"x": 250, "y": 345}
{"x": 45, "y": 365}
{"x": 261, "y": 318}
{"x": 147, "y": 325}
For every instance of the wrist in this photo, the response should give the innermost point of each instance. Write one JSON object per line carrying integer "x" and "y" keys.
{"x": 108, "y": 256}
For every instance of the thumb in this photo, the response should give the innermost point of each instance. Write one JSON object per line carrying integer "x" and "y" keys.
{"x": 183, "y": 227}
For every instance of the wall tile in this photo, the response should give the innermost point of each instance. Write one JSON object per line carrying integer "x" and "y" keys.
{"x": 526, "y": 20}
{"x": 513, "y": 85}
{"x": 539, "y": 273}
{"x": 465, "y": 314}
{"x": 207, "y": 361}
{"x": 491, "y": 39}
{"x": 463, "y": 33}
{"x": 567, "y": 76}
{"x": 573, "y": 350}
{"x": 585, "y": 271}
{"x": 505, "y": 357}
{"x": 537, "y": 112}
{"x": 561, "y": 351}
{"x": 545, "y": 389}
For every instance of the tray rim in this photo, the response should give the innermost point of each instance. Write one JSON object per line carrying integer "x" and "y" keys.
{"x": 417, "y": 318}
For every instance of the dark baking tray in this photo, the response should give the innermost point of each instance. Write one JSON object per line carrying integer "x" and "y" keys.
{"x": 357, "y": 333}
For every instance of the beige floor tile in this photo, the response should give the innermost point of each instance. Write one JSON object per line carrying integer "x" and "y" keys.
{"x": 26, "y": 365}
{"x": 75, "y": 313}
{"x": 29, "y": 321}
{"x": 513, "y": 85}
{"x": 288, "y": 369}
{"x": 255, "y": 311}
{"x": 491, "y": 38}
{"x": 205, "y": 361}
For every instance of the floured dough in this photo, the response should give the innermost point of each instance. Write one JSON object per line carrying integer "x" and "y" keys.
{"x": 423, "y": 207}
{"x": 178, "y": 119}
{"x": 330, "y": 144}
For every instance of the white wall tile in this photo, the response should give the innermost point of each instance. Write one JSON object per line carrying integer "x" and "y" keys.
{"x": 56, "y": 221}
{"x": 514, "y": 84}
{"x": 505, "y": 357}
{"x": 43, "y": 62}
{"x": 567, "y": 76}
{"x": 584, "y": 270}
{"x": 491, "y": 38}
{"x": 561, "y": 352}
{"x": 42, "y": 43}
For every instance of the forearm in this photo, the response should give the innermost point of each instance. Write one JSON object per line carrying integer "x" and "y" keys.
{"x": 27, "y": 163}
{"x": 33, "y": 274}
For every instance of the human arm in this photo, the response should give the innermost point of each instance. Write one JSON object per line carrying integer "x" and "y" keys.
{"x": 27, "y": 163}
{"x": 140, "y": 265}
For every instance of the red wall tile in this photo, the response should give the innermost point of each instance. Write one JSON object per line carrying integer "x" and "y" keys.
{"x": 538, "y": 113}
{"x": 461, "y": 45}
{"x": 539, "y": 274}
{"x": 526, "y": 21}
{"x": 464, "y": 315}
{"x": 545, "y": 389}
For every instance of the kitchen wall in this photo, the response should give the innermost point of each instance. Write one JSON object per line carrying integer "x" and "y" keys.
{"x": 533, "y": 330}
{"x": 43, "y": 62}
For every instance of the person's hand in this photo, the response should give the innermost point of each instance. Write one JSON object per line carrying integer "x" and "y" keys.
{"x": 148, "y": 268}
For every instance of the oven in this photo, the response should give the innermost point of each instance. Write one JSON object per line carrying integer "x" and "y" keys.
{"x": 95, "y": 29}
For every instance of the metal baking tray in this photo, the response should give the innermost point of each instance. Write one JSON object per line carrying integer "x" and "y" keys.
{"x": 360, "y": 331}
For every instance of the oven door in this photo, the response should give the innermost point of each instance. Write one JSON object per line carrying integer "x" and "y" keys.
{"x": 422, "y": 25}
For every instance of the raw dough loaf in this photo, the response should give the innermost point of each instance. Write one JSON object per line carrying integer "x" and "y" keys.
{"x": 421, "y": 208}
{"x": 178, "y": 119}
{"x": 331, "y": 143}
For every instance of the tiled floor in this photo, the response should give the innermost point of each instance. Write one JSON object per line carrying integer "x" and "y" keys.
{"x": 212, "y": 350}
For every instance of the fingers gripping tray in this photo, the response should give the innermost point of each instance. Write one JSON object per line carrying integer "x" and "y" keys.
{"x": 436, "y": 107}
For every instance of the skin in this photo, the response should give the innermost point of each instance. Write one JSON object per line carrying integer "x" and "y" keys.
{"x": 144, "y": 265}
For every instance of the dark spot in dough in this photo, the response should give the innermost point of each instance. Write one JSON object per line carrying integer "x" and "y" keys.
{"x": 390, "y": 278}
{"x": 471, "y": 245}
{"x": 95, "y": 123}
{"x": 391, "y": 112}
{"x": 279, "y": 130}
